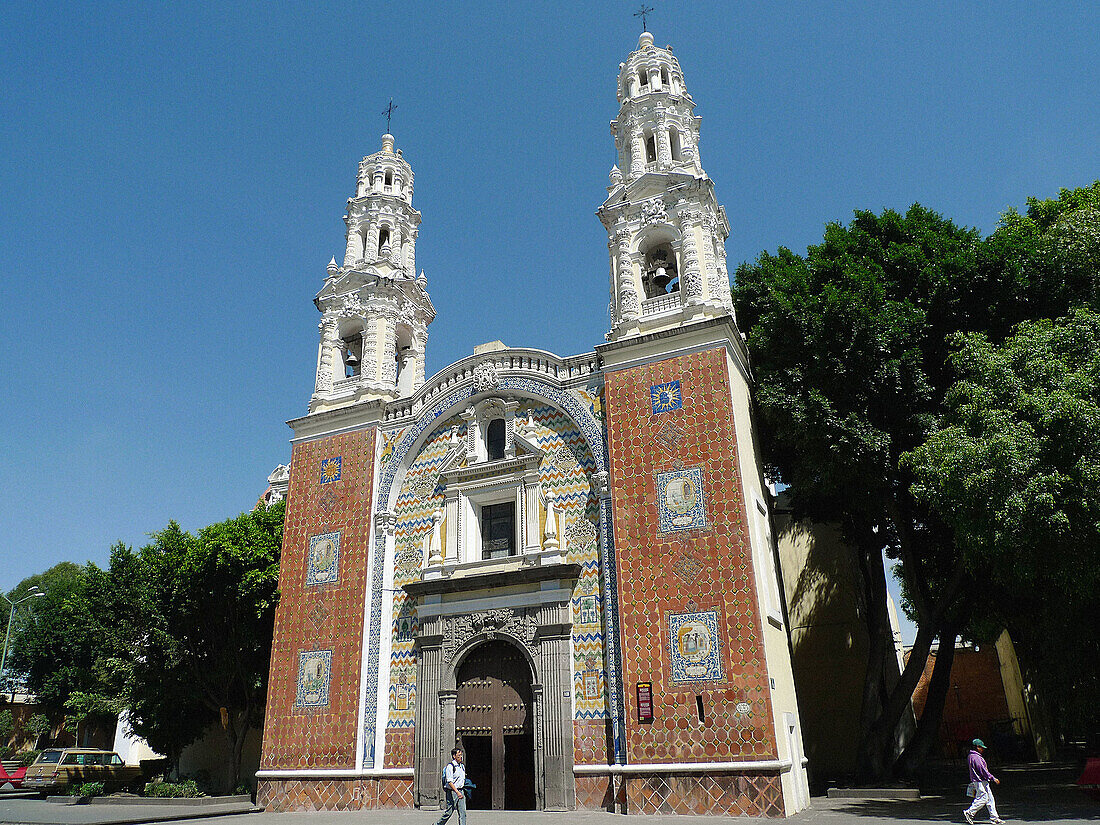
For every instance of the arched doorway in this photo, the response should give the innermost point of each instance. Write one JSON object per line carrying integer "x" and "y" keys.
{"x": 494, "y": 721}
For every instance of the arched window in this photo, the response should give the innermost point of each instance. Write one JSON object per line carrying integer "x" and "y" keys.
{"x": 643, "y": 78}
{"x": 660, "y": 275}
{"x": 674, "y": 142}
{"x": 651, "y": 149}
{"x": 388, "y": 183}
{"x": 494, "y": 439}
{"x": 664, "y": 78}
{"x": 353, "y": 355}
{"x": 383, "y": 238}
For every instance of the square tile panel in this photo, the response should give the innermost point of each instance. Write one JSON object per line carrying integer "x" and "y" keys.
{"x": 680, "y": 500}
{"x": 666, "y": 397}
{"x": 330, "y": 469}
{"x": 694, "y": 648}
{"x": 323, "y": 559}
{"x": 314, "y": 673}
{"x": 588, "y": 610}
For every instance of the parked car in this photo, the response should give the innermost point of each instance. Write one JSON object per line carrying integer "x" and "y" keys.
{"x": 58, "y": 769}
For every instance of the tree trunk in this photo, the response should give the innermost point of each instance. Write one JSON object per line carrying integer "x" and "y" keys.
{"x": 916, "y": 752}
{"x": 872, "y": 762}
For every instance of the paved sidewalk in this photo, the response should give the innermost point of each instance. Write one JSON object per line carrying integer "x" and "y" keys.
{"x": 1060, "y": 805}
{"x": 39, "y": 812}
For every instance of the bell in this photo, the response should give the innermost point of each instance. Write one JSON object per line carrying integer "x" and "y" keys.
{"x": 352, "y": 359}
{"x": 661, "y": 278}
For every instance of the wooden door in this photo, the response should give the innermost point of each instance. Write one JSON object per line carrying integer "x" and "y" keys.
{"x": 493, "y": 721}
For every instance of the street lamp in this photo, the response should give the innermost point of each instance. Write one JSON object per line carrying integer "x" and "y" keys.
{"x": 33, "y": 593}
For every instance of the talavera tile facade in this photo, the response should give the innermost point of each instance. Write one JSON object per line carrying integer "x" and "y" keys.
{"x": 314, "y": 683}
{"x": 585, "y": 516}
{"x": 655, "y": 600}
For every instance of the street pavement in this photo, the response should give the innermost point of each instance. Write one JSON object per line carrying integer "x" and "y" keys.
{"x": 1046, "y": 804}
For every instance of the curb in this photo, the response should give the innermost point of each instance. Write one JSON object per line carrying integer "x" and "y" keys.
{"x": 873, "y": 793}
{"x": 171, "y": 800}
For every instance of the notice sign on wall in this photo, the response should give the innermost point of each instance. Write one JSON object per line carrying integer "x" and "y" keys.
{"x": 645, "y": 701}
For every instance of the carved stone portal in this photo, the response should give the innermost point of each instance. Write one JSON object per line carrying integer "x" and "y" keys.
{"x": 540, "y": 634}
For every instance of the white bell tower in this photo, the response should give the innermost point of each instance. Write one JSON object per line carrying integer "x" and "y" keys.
{"x": 666, "y": 231}
{"x": 375, "y": 309}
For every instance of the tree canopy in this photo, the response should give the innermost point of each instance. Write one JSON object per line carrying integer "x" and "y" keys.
{"x": 178, "y": 634}
{"x": 851, "y": 347}
{"x": 1014, "y": 467}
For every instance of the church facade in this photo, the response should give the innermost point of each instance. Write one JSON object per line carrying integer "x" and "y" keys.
{"x": 565, "y": 565}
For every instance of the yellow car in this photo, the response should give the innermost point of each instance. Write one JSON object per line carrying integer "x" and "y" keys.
{"x": 58, "y": 769}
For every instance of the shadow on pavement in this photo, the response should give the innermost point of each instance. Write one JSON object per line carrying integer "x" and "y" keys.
{"x": 1046, "y": 804}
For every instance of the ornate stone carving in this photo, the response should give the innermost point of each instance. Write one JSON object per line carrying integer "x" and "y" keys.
{"x": 518, "y": 624}
{"x": 409, "y": 561}
{"x": 602, "y": 483}
{"x": 485, "y": 377}
{"x": 351, "y": 306}
{"x": 424, "y": 486}
{"x": 384, "y": 523}
{"x": 563, "y": 459}
{"x": 653, "y": 212}
{"x": 581, "y": 533}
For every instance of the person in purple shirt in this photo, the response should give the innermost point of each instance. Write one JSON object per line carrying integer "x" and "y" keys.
{"x": 980, "y": 777}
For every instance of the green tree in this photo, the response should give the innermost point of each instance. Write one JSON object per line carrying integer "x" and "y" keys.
{"x": 39, "y": 725}
{"x": 849, "y": 347}
{"x": 55, "y": 643}
{"x": 7, "y": 725}
{"x": 213, "y": 599}
{"x": 1014, "y": 467}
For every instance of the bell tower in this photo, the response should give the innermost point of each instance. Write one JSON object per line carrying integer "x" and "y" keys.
{"x": 665, "y": 230}
{"x": 375, "y": 310}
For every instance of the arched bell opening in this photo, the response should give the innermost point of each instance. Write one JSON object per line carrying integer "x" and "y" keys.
{"x": 660, "y": 267}
{"x": 351, "y": 337}
{"x": 495, "y": 726}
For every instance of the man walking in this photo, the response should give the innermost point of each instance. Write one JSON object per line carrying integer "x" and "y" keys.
{"x": 454, "y": 780}
{"x": 980, "y": 777}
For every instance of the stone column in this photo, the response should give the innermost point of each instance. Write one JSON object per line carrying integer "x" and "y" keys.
{"x": 368, "y": 360}
{"x": 450, "y": 540}
{"x": 710, "y": 235}
{"x": 531, "y": 543}
{"x": 355, "y": 245}
{"x": 376, "y": 184}
{"x": 637, "y": 152}
{"x": 426, "y": 737}
{"x": 557, "y": 682}
{"x": 469, "y": 415}
{"x": 448, "y": 699}
{"x": 630, "y": 306}
{"x": 664, "y": 147}
{"x": 330, "y": 349}
{"x": 691, "y": 277}
{"x": 370, "y": 250}
{"x": 388, "y": 371}
{"x": 410, "y": 252}
{"x": 537, "y": 727}
{"x": 723, "y": 274}
{"x": 420, "y": 344}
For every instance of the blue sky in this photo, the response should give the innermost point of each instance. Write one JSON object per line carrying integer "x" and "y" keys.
{"x": 174, "y": 175}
